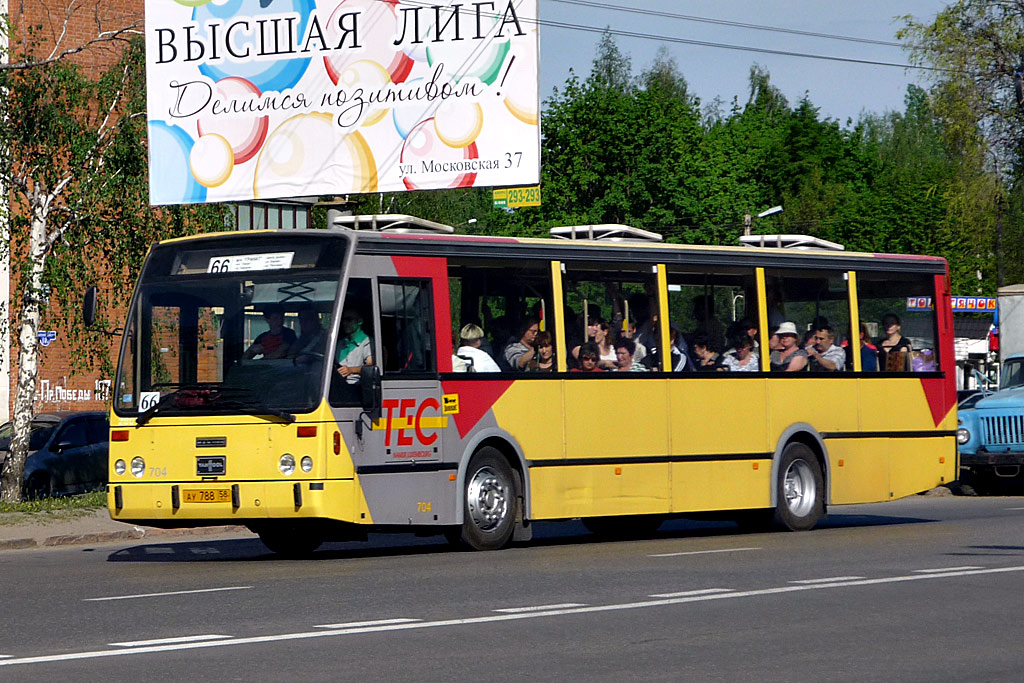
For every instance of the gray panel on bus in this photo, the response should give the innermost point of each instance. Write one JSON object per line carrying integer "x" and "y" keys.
{"x": 410, "y": 497}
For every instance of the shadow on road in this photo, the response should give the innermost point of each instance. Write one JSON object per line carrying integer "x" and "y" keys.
{"x": 546, "y": 534}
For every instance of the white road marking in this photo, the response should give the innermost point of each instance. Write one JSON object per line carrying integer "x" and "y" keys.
{"x": 703, "y": 552}
{"x": 539, "y": 608}
{"x": 832, "y": 579}
{"x": 160, "y": 595}
{"x": 6, "y": 656}
{"x": 942, "y": 570}
{"x": 171, "y": 641}
{"x": 646, "y": 604}
{"x": 378, "y": 622}
{"x": 686, "y": 594}
{"x": 1015, "y": 508}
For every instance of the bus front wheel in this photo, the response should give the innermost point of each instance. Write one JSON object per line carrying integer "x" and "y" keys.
{"x": 490, "y": 503}
{"x": 800, "y": 489}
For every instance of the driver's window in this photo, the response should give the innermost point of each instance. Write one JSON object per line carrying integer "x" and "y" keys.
{"x": 356, "y": 343}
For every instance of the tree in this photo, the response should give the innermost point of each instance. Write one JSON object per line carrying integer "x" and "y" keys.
{"x": 72, "y": 151}
{"x": 975, "y": 49}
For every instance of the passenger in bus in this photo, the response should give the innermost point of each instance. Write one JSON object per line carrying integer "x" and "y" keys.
{"x": 708, "y": 360}
{"x": 631, "y": 332}
{"x": 544, "y": 361}
{"x": 743, "y": 358}
{"x": 680, "y": 357}
{"x": 275, "y": 342}
{"x": 592, "y": 330}
{"x": 924, "y": 361}
{"x": 624, "y": 349}
{"x": 309, "y": 347}
{"x": 519, "y": 353}
{"x": 868, "y": 352}
{"x": 471, "y": 338}
{"x": 742, "y": 327}
{"x": 822, "y": 354}
{"x": 589, "y": 358}
{"x": 893, "y": 349}
{"x": 789, "y": 357}
{"x": 355, "y": 348}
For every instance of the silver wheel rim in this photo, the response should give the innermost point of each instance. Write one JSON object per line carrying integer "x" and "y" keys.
{"x": 487, "y": 499}
{"x": 799, "y": 488}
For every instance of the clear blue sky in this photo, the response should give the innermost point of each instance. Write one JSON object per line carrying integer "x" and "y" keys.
{"x": 841, "y": 90}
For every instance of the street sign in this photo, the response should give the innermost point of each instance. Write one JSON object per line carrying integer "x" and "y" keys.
{"x": 513, "y": 197}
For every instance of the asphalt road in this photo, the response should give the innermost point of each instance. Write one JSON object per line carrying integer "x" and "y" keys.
{"x": 923, "y": 589}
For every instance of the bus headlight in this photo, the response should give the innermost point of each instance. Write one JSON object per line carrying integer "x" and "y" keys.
{"x": 306, "y": 463}
{"x": 286, "y": 464}
{"x": 138, "y": 466}
{"x": 962, "y": 436}
{"x": 120, "y": 467}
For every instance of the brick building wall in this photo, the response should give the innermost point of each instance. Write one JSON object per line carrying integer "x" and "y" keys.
{"x": 59, "y": 386}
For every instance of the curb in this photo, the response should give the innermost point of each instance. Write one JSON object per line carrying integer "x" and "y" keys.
{"x": 133, "y": 534}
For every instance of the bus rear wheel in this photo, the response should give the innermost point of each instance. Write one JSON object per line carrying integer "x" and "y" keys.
{"x": 800, "y": 489}
{"x": 490, "y": 503}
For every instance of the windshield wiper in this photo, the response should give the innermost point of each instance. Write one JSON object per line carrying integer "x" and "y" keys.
{"x": 215, "y": 391}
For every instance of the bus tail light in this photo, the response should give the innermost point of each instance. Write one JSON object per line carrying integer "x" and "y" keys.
{"x": 119, "y": 435}
{"x": 306, "y": 431}
{"x": 337, "y": 443}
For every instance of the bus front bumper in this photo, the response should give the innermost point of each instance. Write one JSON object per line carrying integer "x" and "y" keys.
{"x": 191, "y": 504}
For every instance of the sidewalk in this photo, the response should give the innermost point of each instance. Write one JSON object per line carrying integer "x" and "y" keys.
{"x": 21, "y": 531}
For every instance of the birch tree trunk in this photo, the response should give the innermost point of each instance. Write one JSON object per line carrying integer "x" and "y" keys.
{"x": 28, "y": 356}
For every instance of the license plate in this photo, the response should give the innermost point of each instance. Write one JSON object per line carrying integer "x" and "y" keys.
{"x": 207, "y": 495}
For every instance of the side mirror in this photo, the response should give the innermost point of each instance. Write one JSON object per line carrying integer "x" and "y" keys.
{"x": 62, "y": 445}
{"x": 89, "y": 306}
{"x": 372, "y": 395}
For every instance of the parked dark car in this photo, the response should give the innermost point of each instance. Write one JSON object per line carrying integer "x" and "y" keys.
{"x": 67, "y": 453}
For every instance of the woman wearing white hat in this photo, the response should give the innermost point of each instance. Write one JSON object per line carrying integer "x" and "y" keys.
{"x": 790, "y": 357}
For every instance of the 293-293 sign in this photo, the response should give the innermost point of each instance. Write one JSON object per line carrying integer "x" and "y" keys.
{"x": 238, "y": 263}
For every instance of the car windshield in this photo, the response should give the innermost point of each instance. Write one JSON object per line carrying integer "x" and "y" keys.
{"x": 970, "y": 401}
{"x": 1012, "y": 375}
{"x": 230, "y": 329}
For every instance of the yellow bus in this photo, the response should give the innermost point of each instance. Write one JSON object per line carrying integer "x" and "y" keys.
{"x": 385, "y": 375}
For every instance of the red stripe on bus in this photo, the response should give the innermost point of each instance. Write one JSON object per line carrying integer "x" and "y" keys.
{"x": 475, "y": 400}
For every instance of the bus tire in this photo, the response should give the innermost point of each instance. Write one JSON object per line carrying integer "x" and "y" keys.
{"x": 490, "y": 503}
{"x": 289, "y": 541}
{"x": 800, "y": 489}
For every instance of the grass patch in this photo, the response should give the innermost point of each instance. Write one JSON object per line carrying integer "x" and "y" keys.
{"x": 52, "y": 509}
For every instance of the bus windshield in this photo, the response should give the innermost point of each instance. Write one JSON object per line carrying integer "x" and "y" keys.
{"x": 250, "y": 342}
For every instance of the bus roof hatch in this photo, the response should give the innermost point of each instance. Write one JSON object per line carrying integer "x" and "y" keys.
{"x": 608, "y": 232}
{"x": 789, "y": 242}
{"x": 389, "y": 222}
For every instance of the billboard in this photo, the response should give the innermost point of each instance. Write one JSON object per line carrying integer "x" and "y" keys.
{"x": 261, "y": 99}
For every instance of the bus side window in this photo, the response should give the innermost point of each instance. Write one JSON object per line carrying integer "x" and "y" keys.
{"x": 406, "y": 326}
{"x": 495, "y": 297}
{"x": 897, "y": 316}
{"x": 814, "y": 307}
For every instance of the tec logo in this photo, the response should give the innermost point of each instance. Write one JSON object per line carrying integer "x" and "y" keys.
{"x": 405, "y": 419}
